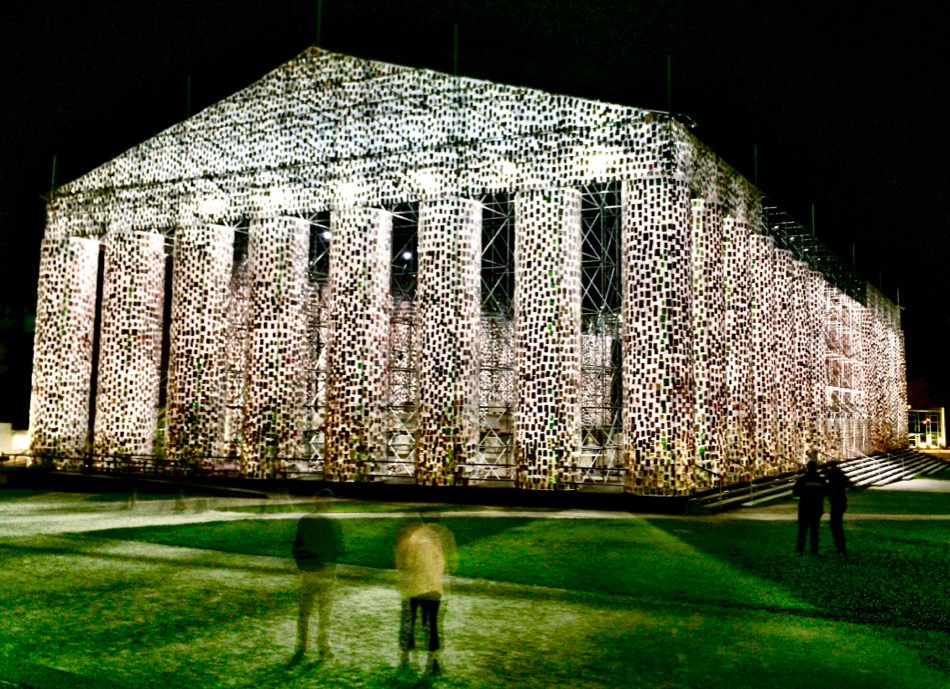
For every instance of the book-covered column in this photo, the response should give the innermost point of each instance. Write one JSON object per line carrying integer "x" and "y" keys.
{"x": 357, "y": 350}
{"x": 275, "y": 393}
{"x": 448, "y": 302}
{"x": 547, "y": 336}
{"x": 659, "y": 435}
{"x": 62, "y": 346}
{"x": 201, "y": 276}
{"x": 130, "y": 343}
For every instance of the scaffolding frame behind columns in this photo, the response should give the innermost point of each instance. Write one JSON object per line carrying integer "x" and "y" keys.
{"x": 402, "y": 417}
{"x": 496, "y": 363}
{"x": 318, "y": 275}
{"x": 846, "y": 406}
{"x": 601, "y": 289}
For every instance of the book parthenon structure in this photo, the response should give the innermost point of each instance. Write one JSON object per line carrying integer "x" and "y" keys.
{"x": 351, "y": 264}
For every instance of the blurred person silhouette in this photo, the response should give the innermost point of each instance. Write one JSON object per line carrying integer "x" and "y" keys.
{"x": 810, "y": 490}
{"x": 425, "y": 552}
{"x": 838, "y": 483}
{"x": 317, "y": 547}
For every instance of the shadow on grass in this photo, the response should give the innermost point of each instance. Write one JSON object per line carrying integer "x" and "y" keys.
{"x": 331, "y": 673}
{"x": 894, "y": 575}
{"x": 123, "y": 496}
{"x": 369, "y": 543}
{"x": 17, "y": 674}
{"x": 132, "y": 613}
{"x": 20, "y": 493}
{"x": 347, "y": 506}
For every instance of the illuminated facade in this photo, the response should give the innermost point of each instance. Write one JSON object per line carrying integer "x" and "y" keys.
{"x": 379, "y": 271}
{"x": 927, "y": 428}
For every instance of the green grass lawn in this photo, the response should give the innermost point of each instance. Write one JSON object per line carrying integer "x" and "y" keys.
{"x": 631, "y": 557}
{"x": 537, "y": 603}
{"x": 14, "y": 494}
{"x": 297, "y": 505}
{"x": 876, "y": 501}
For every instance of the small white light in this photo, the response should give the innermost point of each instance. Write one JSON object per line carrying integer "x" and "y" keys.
{"x": 406, "y": 255}
{"x": 326, "y": 235}
{"x": 19, "y": 442}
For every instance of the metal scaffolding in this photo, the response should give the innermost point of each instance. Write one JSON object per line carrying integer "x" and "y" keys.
{"x": 845, "y": 295}
{"x": 790, "y": 234}
{"x": 601, "y": 393}
{"x": 402, "y": 412}
{"x": 496, "y": 361}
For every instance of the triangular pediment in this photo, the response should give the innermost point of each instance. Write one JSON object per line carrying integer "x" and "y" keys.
{"x": 325, "y": 126}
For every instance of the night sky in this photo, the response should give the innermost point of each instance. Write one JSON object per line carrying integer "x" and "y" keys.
{"x": 846, "y": 109}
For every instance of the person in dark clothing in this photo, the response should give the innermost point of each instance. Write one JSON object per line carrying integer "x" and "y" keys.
{"x": 810, "y": 490}
{"x": 317, "y": 547}
{"x": 838, "y": 483}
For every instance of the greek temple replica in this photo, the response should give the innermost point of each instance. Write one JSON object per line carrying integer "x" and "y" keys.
{"x": 375, "y": 272}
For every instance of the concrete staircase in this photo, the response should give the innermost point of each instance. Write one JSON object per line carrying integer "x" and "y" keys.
{"x": 864, "y": 472}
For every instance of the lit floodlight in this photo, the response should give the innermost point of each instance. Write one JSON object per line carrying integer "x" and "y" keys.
{"x": 406, "y": 255}
{"x": 20, "y": 443}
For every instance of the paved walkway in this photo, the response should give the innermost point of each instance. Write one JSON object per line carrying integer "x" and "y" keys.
{"x": 52, "y": 513}
{"x": 225, "y": 619}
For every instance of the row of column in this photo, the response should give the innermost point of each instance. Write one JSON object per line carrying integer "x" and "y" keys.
{"x": 129, "y": 362}
{"x": 724, "y": 355}
{"x": 273, "y": 340}
{"x": 866, "y": 390}
{"x": 727, "y": 361}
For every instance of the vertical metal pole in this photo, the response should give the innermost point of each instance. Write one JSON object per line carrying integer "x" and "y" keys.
{"x": 755, "y": 165}
{"x": 319, "y": 19}
{"x": 669, "y": 84}
{"x": 52, "y": 182}
{"x": 669, "y": 107}
{"x": 455, "y": 49}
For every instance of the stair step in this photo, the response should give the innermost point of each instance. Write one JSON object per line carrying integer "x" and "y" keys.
{"x": 873, "y": 470}
{"x": 759, "y": 501}
{"x": 742, "y": 493}
{"x": 943, "y": 465}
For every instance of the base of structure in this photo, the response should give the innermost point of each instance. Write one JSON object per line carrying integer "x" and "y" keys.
{"x": 588, "y": 498}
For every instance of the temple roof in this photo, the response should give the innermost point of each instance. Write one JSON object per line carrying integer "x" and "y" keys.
{"x": 325, "y": 125}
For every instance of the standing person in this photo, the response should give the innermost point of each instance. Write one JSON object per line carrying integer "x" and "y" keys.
{"x": 810, "y": 490}
{"x": 838, "y": 503}
{"x": 317, "y": 547}
{"x": 422, "y": 553}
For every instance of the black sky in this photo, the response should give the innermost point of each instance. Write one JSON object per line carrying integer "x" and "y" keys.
{"x": 846, "y": 106}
